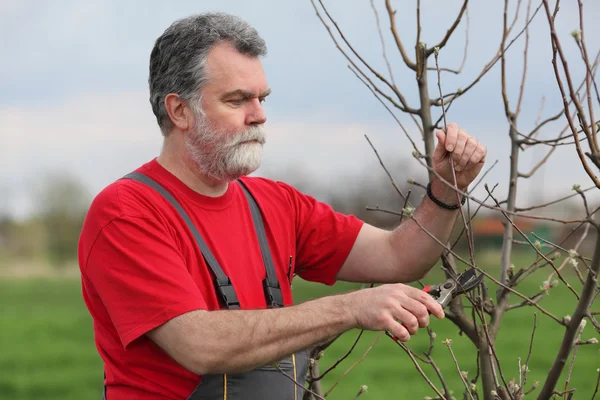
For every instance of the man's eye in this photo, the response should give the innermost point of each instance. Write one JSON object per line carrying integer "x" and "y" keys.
{"x": 237, "y": 102}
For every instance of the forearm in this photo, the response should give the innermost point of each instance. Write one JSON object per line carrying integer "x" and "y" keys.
{"x": 233, "y": 341}
{"x": 416, "y": 248}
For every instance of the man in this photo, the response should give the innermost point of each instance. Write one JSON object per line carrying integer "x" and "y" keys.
{"x": 187, "y": 264}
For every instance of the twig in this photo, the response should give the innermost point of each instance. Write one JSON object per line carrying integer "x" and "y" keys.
{"x": 580, "y": 312}
{"x": 537, "y": 250}
{"x": 462, "y": 212}
{"x": 553, "y": 201}
{"x": 392, "y": 180}
{"x": 353, "y": 365}
{"x": 291, "y": 378}
{"x": 535, "y": 298}
{"x": 576, "y": 247}
{"x": 392, "y": 15}
{"x": 557, "y": 49}
{"x": 482, "y": 177}
{"x": 578, "y": 337}
{"x": 416, "y": 363}
{"x": 387, "y": 108}
{"x": 526, "y": 369}
{"x": 387, "y": 62}
{"x": 525, "y": 59}
{"x": 359, "y": 57}
{"x": 404, "y": 107}
{"x": 448, "y": 343}
{"x": 338, "y": 362}
{"x": 441, "y": 44}
{"x": 449, "y": 98}
{"x": 597, "y": 385}
{"x": 468, "y": 196}
{"x": 487, "y": 274}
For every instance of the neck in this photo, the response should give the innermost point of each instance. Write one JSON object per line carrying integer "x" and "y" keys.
{"x": 174, "y": 159}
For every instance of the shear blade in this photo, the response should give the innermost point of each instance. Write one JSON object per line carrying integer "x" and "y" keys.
{"x": 468, "y": 280}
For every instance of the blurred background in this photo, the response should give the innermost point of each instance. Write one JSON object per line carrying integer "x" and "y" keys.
{"x": 75, "y": 116}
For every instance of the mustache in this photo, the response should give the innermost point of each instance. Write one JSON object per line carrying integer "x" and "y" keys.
{"x": 253, "y": 133}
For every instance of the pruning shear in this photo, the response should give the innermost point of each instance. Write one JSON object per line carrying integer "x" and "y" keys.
{"x": 444, "y": 292}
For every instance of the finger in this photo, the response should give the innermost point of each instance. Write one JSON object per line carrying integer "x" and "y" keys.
{"x": 478, "y": 155}
{"x": 451, "y": 136}
{"x": 417, "y": 309}
{"x": 408, "y": 320}
{"x": 470, "y": 148}
{"x": 440, "y": 150}
{"x": 461, "y": 142}
{"x": 398, "y": 330}
{"x": 433, "y": 306}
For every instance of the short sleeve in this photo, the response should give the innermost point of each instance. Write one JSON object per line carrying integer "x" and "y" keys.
{"x": 324, "y": 237}
{"x": 140, "y": 276}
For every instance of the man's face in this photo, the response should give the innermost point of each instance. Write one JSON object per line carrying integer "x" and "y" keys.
{"x": 227, "y": 137}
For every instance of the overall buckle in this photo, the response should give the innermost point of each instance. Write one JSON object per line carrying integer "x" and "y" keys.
{"x": 273, "y": 295}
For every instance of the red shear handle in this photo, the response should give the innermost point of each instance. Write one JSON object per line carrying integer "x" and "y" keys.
{"x": 427, "y": 289}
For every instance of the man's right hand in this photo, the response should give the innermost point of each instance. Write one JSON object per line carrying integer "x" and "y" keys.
{"x": 397, "y": 308}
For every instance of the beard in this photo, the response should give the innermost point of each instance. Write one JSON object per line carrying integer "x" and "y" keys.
{"x": 224, "y": 156}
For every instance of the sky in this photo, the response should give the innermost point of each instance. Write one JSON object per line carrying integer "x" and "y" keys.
{"x": 74, "y": 95}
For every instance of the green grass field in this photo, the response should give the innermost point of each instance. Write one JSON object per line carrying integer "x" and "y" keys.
{"x": 47, "y": 349}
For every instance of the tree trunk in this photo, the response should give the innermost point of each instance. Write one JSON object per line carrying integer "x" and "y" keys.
{"x": 425, "y": 110}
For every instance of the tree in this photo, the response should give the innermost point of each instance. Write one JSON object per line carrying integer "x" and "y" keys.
{"x": 62, "y": 203}
{"x": 479, "y": 316}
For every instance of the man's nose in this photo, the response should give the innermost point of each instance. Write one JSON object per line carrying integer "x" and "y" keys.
{"x": 256, "y": 115}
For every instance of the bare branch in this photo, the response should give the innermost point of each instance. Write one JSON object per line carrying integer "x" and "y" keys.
{"x": 416, "y": 363}
{"x": 392, "y": 180}
{"x": 486, "y": 274}
{"x": 563, "y": 280}
{"x": 387, "y": 62}
{"x": 578, "y": 338}
{"x": 448, "y": 343}
{"x": 529, "y": 352}
{"x": 392, "y": 15}
{"x": 338, "y": 362}
{"x": 353, "y": 365}
{"x": 575, "y": 248}
{"x": 557, "y": 49}
{"x": 597, "y": 384}
{"x": 387, "y": 108}
{"x": 450, "y": 31}
{"x": 404, "y": 107}
{"x": 553, "y": 201}
{"x": 300, "y": 385}
{"x": 468, "y": 196}
{"x": 588, "y": 76}
{"x": 466, "y": 47}
{"x": 449, "y": 98}
{"x": 580, "y": 312}
{"x": 525, "y": 59}
{"x": 462, "y": 212}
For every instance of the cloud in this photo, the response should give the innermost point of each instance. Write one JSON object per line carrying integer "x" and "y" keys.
{"x": 100, "y": 137}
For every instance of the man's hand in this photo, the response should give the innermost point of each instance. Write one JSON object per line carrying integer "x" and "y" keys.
{"x": 468, "y": 156}
{"x": 397, "y": 308}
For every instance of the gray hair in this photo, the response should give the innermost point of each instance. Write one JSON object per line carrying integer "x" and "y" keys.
{"x": 178, "y": 59}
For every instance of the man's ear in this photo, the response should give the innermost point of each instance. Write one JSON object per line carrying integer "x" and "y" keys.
{"x": 180, "y": 114}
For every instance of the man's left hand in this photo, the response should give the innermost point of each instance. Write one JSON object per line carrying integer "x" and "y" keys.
{"x": 466, "y": 152}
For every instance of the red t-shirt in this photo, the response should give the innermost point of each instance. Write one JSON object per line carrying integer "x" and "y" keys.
{"x": 141, "y": 266}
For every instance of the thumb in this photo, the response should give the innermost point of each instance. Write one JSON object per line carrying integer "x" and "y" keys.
{"x": 440, "y": 150}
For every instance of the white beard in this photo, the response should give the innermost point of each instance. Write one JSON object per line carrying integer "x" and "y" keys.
{"x": 221, "y": 156}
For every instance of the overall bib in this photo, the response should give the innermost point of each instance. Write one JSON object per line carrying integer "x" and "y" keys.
{"x": 264, "y": 383}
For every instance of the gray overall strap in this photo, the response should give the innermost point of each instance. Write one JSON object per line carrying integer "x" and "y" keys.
{"x": 222, "y": 282}
{"x": 271, "y": 283}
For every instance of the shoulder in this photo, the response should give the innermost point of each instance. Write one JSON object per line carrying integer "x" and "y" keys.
{"x": 269, "y": 191}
